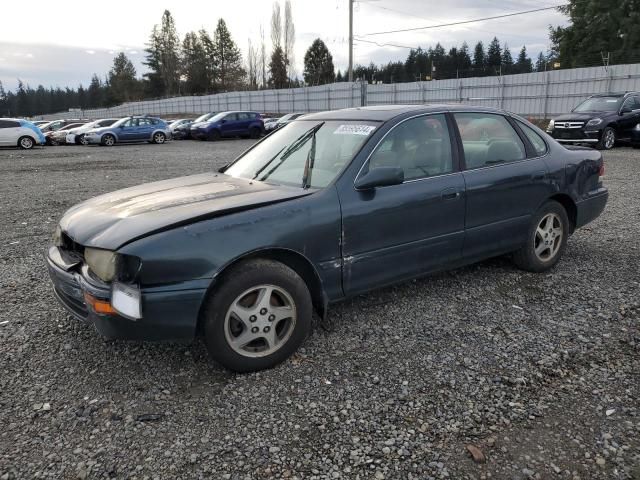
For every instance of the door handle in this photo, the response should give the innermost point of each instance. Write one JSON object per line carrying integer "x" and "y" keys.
{"x": 450, "y": 194}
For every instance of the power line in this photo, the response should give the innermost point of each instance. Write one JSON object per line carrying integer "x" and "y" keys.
{"x": 463, "y": 22}
{"x": 384, "y": 44}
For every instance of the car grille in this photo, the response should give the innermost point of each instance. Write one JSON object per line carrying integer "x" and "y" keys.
{"x": 568, "y": 125}
{"x": 572, "y": 134}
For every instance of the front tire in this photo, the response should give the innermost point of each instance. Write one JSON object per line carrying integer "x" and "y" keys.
{"x": 254, "y": 133}
{"x": 214, "y": 136}
{"x": 607, "y": 140}
{"x": 546, "y": 239}
{"x": 81, "y": 140}
{"x": 259, "y": 316}
{"x": 108, "y": 140}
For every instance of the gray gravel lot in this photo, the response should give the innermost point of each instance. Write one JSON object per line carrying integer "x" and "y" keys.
{"x": 541, "y": 372}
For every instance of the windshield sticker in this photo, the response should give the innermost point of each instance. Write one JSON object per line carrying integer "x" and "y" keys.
{"x": 611, "y": 101}
{"x": 354, "y": 130}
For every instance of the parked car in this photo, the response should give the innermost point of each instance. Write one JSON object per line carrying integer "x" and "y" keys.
{"x": 58, "y": 124}
{"x": 328, "y": 207}
{"x": 15, "y": 132}
{"x": 285, "y": 120}
{"x": 56, "y": 137}
{"x": 130, "y": 129}
{"x": 181, "y": 129}
{"x": 76, "y": 135}
{"x": 37, "y": 123}
{"x": 229, "y": 124}
{"x": 270, "y": 123}
{"x": 600, "y": 121}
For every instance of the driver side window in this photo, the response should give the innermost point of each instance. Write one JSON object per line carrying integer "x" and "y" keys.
{"x": 420, "y": 146}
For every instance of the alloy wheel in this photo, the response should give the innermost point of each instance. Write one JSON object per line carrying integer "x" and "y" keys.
{"x": 109, "y": 141}
{"x": 84, "y": 140}
{"x": 260, "y": 321}
{"x": 609, "y": 139}
{"x": 548, "y": 237}
{"x": 26, "y": 143}
{"x": 158, "y": 138}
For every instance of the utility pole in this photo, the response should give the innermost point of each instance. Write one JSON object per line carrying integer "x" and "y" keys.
{"x": 351, "y": 40}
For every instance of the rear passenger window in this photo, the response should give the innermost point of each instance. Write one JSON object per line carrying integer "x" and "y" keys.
{"x": 488, "y": 139}
{"x": 9, "y": 124}
{"x": 536, "y": 140}
{"x": 420, "y": 146}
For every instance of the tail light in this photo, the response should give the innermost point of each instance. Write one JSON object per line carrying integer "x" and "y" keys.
{"x": 601, "y": 173}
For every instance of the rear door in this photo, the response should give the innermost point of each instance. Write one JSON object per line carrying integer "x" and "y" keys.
{"x": 506, "y": 182}
{"x": 143, "y": 130}
{"x": 9, "y": 132}
{"x": 398, "y": 232}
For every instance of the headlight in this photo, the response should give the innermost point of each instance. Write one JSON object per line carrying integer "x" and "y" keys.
{"x": 551, "y": 125}
{"x": 101, "y": 262}
{"x": 593, "y": 122}
{"x": 57, "y": 237}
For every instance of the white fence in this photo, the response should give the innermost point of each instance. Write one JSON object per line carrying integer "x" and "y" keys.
{"x": 538, "y": 94}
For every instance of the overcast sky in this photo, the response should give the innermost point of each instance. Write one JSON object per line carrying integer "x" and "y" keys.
{"x": 64, "y": 44}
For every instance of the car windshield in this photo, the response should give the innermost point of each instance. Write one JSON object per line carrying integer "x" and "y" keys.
{"x": 121, "y": 121}
{"x": 304, "y": 153}
{"x": 204, "y": 117}
{"x": 599, "y": 104}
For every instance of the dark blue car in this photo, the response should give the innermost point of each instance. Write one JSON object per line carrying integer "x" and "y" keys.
{"x": 229, "y": 124}
{"x": 332, "y": 205}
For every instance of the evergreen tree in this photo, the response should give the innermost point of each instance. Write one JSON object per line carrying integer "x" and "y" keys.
{"x": 541, "y": 63}
{"x": 122, "y": 80}
{"x": 494, "y": 56}
{"x": 194, "y": 65}
{"x": 210, "y": 60}
{"x": 339, "y": 77}
{"x": 4, "y": 102}
{"x": 23, "y": 103}
{"x": 162, "y": 58}
{"x": 597, "y": 27}
{"x": 463, "y": 62}
{"x": 229, "y": 71}
{"x": 479, "y": 59}
{"x": 507, "y": 61}
{"x": 523, "y": 64}
{"x": 278, "y": 69}
{"x": 95, "y": 93}
{"x": 318, "y": 64}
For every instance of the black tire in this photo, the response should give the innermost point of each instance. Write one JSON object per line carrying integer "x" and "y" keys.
{"x": 80, "y": 140}
{"x": 26, "y": 142}
{"x": 159, "y": 138}
{"x": 254, "y": 132}
{"x": 245, "y": 276}
{"x": 214, "y": 136}
{"x": 607, "y": 139}
{"x": 108, "y": 140}
{"x": 526, "y": 258}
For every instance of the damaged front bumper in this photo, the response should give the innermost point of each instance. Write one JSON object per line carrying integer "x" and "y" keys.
{"x": 168, "y": 313}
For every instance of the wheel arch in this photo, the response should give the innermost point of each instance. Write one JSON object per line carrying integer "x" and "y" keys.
{"x": 291, "y": 258}
{"x": 27, "y": 135}
{"x": 570, "y": 207}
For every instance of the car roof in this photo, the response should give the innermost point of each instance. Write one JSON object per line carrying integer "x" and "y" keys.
{"x": 382, "y": 113}
{"x": 614, "y": 94}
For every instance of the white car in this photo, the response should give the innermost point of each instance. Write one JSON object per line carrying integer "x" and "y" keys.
{"x": 15, "y": 132}
{"x": 75, "y": 136}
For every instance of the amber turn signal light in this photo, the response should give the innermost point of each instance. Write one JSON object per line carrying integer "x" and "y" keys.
{"x": 99, "y": 306}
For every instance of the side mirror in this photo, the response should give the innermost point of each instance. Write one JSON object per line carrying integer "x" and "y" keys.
{"x": 625, "y": 110}
{"x": 223, "y": 121}
{"x": 380, "y": 177}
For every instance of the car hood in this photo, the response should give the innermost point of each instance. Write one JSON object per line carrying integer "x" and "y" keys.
{"x": 580, "y": 116}
{"x": 115, "y": 219}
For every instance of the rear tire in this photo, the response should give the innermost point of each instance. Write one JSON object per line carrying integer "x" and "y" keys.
{"x": 254, "y": 133}
{"x": 607, "y": 140}
{"x": 546, "y": 239}
{"x": 26, "y": 143}
{"x": 258, "y": 316}
{"x": 108, "y": 140}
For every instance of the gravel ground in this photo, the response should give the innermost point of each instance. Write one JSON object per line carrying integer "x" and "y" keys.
{"x": 539, "y": 372}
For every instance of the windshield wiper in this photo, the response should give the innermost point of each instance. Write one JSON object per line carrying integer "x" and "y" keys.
{"x": 308, "y": 164}
{"x": 294, "y": 147}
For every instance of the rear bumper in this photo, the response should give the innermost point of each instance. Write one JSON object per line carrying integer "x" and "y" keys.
{"x": 168, "y": 314}
{"x": 591, "y": 207}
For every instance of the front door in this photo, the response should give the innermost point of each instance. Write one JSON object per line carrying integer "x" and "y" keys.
{"x": 506, "y": 182}
{"x": 229, "y": 125}
{"x": 629, "y": 117}
{"x": 398, "y": 232}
